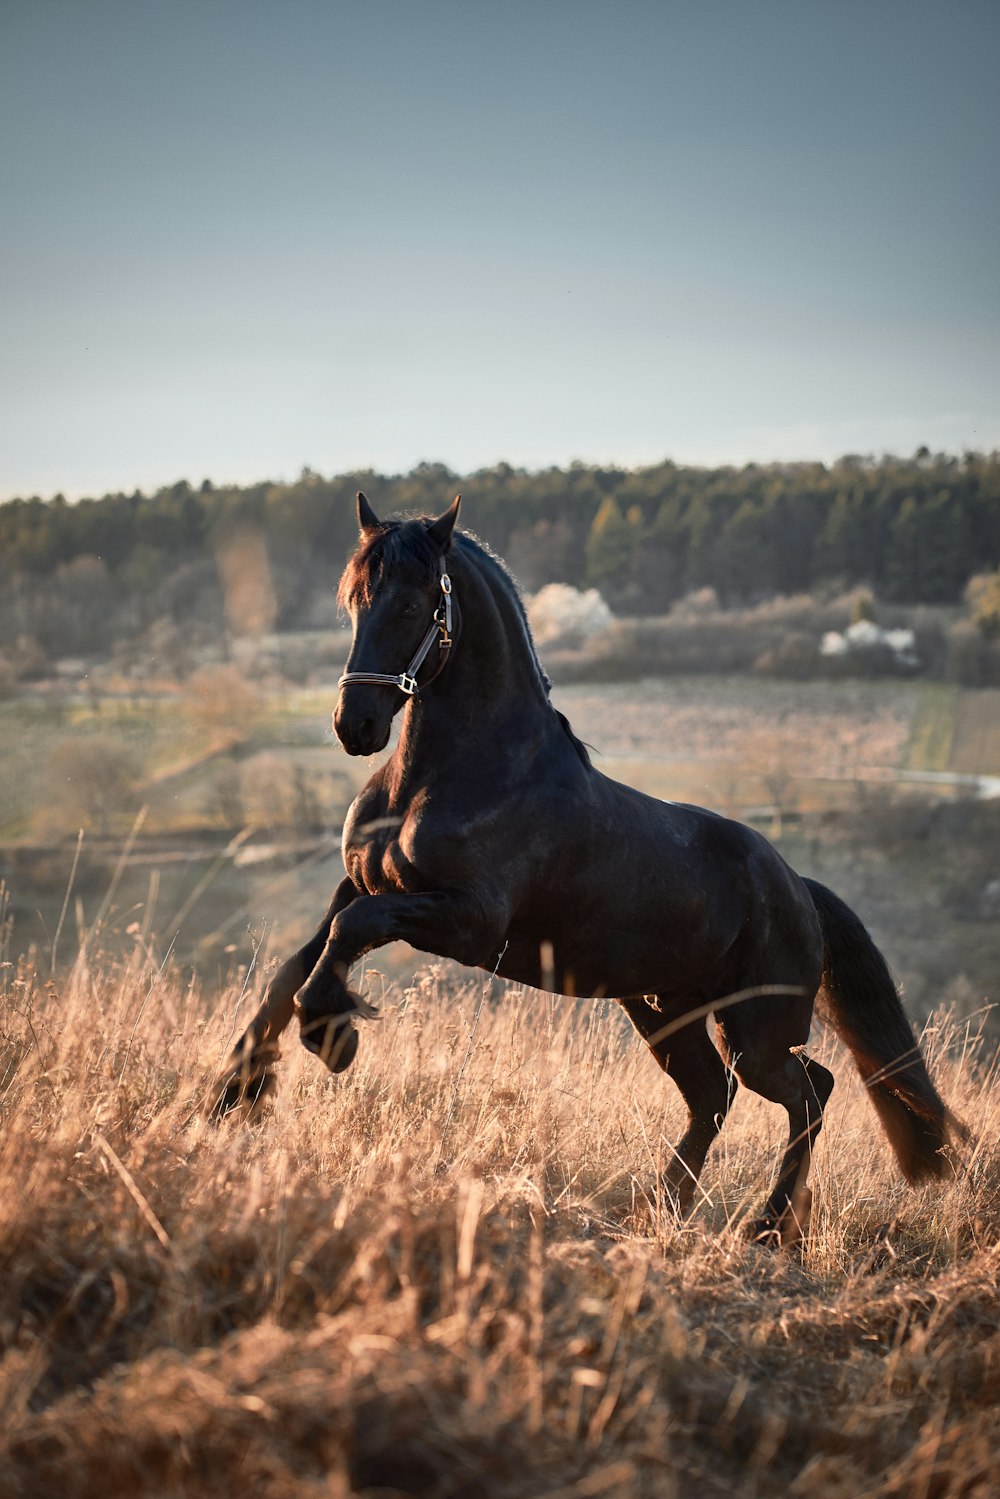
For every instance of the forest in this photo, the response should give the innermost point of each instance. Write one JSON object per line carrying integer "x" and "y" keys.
{"x": 75, "y": 577}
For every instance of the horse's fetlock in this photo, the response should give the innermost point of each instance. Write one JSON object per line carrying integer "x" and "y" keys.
{"x": 332, "y": 1038}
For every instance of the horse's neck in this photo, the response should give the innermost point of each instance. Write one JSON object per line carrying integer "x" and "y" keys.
{"x": 491, "y": 679}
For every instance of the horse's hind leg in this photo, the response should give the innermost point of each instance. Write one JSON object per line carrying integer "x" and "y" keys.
{"x": 687, "y": 1055}
{"x": 763, "y": 1038}
{"x": 248, "y": 1078}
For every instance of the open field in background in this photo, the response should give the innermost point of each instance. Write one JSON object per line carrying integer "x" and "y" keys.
{"x": 822, "y": 731}
{"x": 977, "y": 731}
{"x": 239, "y": 842}
{"x": 727, "y": 744}
{"x": 447, "y": 1274}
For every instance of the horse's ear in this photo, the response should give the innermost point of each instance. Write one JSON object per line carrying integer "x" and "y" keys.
{"x": 440, "y": 530}
{"x": 367, "y": 519}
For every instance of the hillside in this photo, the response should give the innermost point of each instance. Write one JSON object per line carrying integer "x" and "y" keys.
{"x": 449, "y": 1272}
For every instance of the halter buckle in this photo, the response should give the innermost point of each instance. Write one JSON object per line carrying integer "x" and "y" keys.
{"x": 445, "y": 583}
{"x": 407, "y": 684}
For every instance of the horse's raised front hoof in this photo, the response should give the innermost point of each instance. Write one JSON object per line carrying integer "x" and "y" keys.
{"x": 245, "y": 1089}
{"x": 326, "y": 1008}
{"x": 333, "y": 1039}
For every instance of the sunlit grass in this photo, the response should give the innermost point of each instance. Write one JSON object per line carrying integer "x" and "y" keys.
{"x": 449, "y": 1271}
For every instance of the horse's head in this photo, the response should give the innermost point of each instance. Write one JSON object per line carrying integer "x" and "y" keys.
{"x": 392, "y": 590}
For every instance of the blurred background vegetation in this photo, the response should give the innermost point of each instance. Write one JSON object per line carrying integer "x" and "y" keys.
{"x": 78, "y": 577}
{"x": 812, "y": 648}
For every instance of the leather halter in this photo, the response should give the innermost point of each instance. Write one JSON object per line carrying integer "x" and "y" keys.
{"x": 439, "y": 629}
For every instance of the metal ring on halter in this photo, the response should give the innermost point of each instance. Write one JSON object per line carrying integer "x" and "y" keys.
{"x": 406, "y": 680}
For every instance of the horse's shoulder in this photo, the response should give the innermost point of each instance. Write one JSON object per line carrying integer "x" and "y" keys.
{"x": 371, "y": 802}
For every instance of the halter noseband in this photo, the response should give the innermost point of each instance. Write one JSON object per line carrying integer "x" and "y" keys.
{"x": 439, "y": 629}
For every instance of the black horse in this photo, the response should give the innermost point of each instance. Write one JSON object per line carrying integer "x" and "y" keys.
{"x": 489, "y": 837}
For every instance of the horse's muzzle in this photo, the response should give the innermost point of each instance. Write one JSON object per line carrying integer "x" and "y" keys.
{"x": 361, "y": 733}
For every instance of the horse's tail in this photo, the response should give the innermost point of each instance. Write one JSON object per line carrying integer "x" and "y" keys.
{"x": 859, "y": 999}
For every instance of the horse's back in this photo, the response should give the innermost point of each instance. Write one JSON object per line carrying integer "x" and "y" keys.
{"x": 631, "y": 894}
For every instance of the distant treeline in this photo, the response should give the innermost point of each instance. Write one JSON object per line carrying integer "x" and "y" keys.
{"x": 75, "y": 576}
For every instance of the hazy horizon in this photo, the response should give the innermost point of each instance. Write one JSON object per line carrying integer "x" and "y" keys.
{"x": 463, "y": 475}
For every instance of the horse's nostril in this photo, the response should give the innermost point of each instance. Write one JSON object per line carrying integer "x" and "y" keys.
{"x": 356, "y": 735}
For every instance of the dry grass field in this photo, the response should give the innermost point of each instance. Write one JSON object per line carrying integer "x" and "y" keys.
{"x": 449, "y": 1273}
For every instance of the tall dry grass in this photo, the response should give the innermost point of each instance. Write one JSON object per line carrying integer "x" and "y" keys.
{"x": 448, "y": 1272}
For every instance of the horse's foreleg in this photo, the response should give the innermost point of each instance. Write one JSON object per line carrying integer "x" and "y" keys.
{"x": 449, "y": 925}
{"x": 687, "y": 1055}
{"x": 248, "y": 1077}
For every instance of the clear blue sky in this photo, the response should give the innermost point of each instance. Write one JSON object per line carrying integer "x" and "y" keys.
{"x": 239, "y": 238}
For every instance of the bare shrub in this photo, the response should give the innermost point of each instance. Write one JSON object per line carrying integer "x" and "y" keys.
{"x": 794, "y": 657}
{"x": 779, "y": 782}
{"x": 972, "y": 659}
{"x": 983, "y": 598}
{"x": 247, "y": 585}
{"x": 222, "y": 700}
{"x": 862, "y": 606}
{"x": 89, "y": 782}
{"x": 276, "y": 794}
{"x": 29, "y": 658}
{"x": 224, "y": 795}
{"x": 700, "y": 601}
{"x": 165, "y": 649}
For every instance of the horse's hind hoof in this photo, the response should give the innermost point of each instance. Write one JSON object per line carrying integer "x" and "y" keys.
{"x": 763, "y": 1233}
{"x": 245, "y": 1091}
{"x": 336, "y": 1044}
{"x": 788, "y": 1230}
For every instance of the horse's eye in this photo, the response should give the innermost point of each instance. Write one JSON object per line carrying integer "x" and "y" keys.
{"x": 410, "y": 608}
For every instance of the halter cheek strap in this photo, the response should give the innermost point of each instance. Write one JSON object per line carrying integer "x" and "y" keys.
{"x": 439, "y": 630}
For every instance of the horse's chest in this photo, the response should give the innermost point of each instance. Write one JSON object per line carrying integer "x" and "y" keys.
{"x": 378, "y": 864}
{"x": 378, "y": 867}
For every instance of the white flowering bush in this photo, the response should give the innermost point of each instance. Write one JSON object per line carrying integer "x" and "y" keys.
{"x": 565, "y": 617}
{"x": 866, "y": 635}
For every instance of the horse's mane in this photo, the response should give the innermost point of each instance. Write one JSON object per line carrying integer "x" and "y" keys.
{"x": 405, "y": 544}
{"x": 394, "y": 544}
